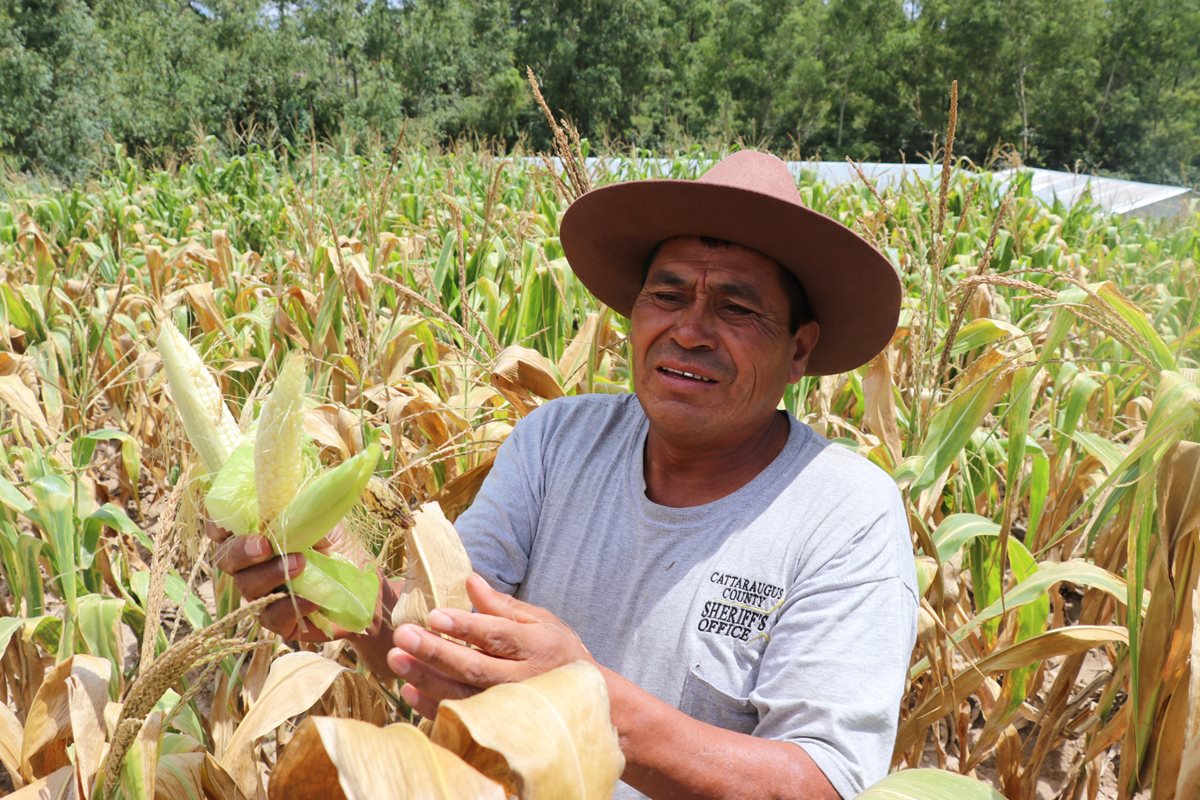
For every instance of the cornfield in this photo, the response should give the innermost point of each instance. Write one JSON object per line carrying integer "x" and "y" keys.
{"x": 1038, "y": 408}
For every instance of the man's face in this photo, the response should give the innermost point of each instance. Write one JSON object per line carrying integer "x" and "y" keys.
{"x": 720, "y": 314}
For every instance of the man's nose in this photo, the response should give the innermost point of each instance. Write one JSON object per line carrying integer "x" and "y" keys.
{"x": 695, "y": 326}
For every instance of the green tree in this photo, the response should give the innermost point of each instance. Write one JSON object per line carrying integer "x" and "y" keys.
{"x": 594, "y": 59}
{"x": 454, "y": 59}
{"x": 53, "y": 85}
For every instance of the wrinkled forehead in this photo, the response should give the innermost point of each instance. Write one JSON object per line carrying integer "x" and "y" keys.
{"x": 719, "y": 263}
{"x": 709, "y": 253}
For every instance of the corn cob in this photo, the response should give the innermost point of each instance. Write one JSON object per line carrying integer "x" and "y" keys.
{"x": 206, "y": 419}
{"x": 256, "y": 486}
{"x": 278, "y": 462}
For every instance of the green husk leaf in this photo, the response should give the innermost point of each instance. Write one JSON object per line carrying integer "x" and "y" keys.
{"x": 929, "y": 784}
{"x": 345, "y": 592}
{"x": 321, "y": 504}
{"x": 232, "y": 502}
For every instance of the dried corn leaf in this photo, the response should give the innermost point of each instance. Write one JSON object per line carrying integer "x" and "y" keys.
{"x": 330, "y": 759}
{"x": 459, "y": 493}
{"x": 58, "y": 785}
{"x": 48, "y": 725}
{"x": 21, "y": 399}
{"x": 879, "y": 401}
{"x": 86, "y": 706}
{"x": 1187, "y": 784}
{"x": 520, "y": 373}
{"x": 438, "y": 568}
{"x": 10, "y": 744}
{"x": 296, "y": 682}
{"x": 180, "y": 776}
{"x": 594, "y": 335}
{"x": 1058, "y": 642}
{"x": 218, "y": 785}
{"x": 204, "y": 304}
{"x": 546, "y": 737}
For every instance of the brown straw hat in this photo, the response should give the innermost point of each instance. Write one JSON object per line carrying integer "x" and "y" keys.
{"x": 749, "y": 198}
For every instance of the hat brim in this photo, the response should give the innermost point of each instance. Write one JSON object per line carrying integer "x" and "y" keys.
{"x": 609, "y": 233}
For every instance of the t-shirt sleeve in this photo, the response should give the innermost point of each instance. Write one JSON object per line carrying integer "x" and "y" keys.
{"x": 498, "y": 528}
{"x": 832, "y": 674}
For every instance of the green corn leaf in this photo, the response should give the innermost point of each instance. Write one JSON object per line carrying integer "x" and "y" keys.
{"x": 981, "y": 332}
{"x": 11, "y": 497}
{"x": 100, "y": 626}
{"x": 957, "y": 530}
{"x": 1108, "y": 453}
{"x": 952, "y": 425}
{"x": 54, "y": 513}
{"x": 1150, "y": 342}
{"x": 83, "y": 448}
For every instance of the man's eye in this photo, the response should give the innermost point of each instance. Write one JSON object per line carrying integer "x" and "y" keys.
{"x": 736, "y": 310}
{"x": 666, "y": 297}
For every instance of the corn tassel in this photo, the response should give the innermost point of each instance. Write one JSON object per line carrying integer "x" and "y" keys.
{"x": 206, "y": 419}
{"x": 278, "y": 462}
{"x": 322, "y": 503}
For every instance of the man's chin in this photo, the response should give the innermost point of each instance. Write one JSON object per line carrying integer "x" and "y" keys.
{"x": 680, "y": 419}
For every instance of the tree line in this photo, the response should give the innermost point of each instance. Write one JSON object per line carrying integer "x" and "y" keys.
{"x": 1097, "y": 85}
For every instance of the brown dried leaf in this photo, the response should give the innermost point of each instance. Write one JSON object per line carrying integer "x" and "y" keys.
{"x": 10, "y": 744}
{"x": 58, "y": 785}
{"x": 204, "y": 304}
{"x": 438, "y": 568}
{"x": 1188, "y": 782}
{"x": 591, "y": 339}
{"x": 48, "y": 726}
{"x": 86, "y": 713}
{"x": 21, "y": 399}
{"x": 1057, "y": 642}
{"x": 180, "y": 776}
{"x": 520, "y": 373}
{"x": 330, "y": 759}
{"x": 547, "y": 737}
{"x": 879, "y": 401}
{"x": 459, "y": 493}
{"x": 296, "y": 682}
{"x": 218, "y": 785}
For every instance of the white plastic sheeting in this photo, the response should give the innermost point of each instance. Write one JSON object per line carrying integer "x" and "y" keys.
{"x": 1113, "y": 195}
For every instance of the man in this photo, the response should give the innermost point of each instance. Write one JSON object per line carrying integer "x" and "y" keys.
{"x": 746, "y": 588}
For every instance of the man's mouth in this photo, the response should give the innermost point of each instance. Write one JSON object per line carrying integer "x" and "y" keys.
{"x": 684, "y": 374}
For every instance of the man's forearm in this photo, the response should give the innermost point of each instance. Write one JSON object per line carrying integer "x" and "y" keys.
{"x": 669, "y": 754}
{"x": 373, "y": 644}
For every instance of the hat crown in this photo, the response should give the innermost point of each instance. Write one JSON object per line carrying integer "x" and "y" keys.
{"x": 755, "y": 172}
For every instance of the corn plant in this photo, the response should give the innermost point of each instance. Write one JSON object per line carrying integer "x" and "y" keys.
{"x": 1038, "y": 408}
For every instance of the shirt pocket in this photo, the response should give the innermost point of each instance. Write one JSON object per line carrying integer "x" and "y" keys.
{"x": 705, "y": 702}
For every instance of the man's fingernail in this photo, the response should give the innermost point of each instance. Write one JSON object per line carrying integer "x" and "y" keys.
{"x": 406, "y": 639}
{"x": 295, "y": 562}
{"x": 441, "y": 621}
{"x": 402, "y": 667}
{"x": 257, "y": 547}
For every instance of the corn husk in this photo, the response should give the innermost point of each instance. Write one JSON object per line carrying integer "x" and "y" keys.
{"x": 549, "y": 737}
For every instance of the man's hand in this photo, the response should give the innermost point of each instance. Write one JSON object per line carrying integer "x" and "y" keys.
{"x": 515, "y": 641}
{"x": 257, "y": 571}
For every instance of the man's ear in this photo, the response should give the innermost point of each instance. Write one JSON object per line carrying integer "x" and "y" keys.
{"x": 805, "y": 340}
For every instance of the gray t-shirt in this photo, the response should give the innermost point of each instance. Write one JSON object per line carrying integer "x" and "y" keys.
{"x": 786, "y": 610}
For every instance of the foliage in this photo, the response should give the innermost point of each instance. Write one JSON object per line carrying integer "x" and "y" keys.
{"x": 1038, "y": 407}
{"x": 1108, "y": 85}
